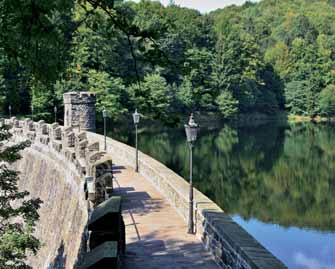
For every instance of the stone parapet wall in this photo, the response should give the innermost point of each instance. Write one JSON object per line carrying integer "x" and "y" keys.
{"x": 55, "y": 168}
{"x": 72, "y": 146}
{"x": 229, "y": 243}
{"x": 46, "y": 174}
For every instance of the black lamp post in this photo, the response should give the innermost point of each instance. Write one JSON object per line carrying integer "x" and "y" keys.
{"x": 55, "y": 111}
{"x": 10, "y": 111}
{"x": 104, "y": 115}
{"x": 136, "y": 118}
{"x": 191, "y": 130}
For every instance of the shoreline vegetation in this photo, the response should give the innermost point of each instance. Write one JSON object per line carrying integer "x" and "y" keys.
{"x": 210, "y": 119}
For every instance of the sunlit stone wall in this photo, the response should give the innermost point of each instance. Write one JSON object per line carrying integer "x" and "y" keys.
{"x": 48, "y": 175}
{"x": 54, "y": 169}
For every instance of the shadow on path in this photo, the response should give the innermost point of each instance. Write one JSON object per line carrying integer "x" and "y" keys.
{"x": 138, "y": 202}
{"x": 152, "y": 252}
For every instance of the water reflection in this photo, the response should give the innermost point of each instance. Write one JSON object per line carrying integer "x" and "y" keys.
{"x": 273, "y": 175}
{"x": 298, "y": 248}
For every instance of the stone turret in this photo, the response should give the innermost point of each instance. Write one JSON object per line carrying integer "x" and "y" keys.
{"x": 79, "y": 110}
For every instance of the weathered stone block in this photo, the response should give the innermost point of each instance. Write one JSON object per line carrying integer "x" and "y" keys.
{"x": 69, "y": 139}
{"x": 80, "y": 165}
{"x": 29, "y": 125}
{"x": 91, "y": 148}
{"x": 81, "y": 150}
{"x": 90, "y": 184}
{"x": 16, "y": 123}
{"x": 70, "y": 154}
{"x": 31, "y": 135}
{"x": 82, "y": 136}
{"x": 57, "y": 145}
{"x": 43, "y": 129}
{"x": 57, "y": 133}
{"x": 44, "y": 139}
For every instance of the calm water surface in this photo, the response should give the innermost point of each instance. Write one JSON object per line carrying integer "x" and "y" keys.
{"x": 277, "y": 181}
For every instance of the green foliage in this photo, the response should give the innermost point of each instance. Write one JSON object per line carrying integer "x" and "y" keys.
{"x": 152, "y": 96}
{"x": 327, "y": 101}
{"x": 185, "y": 93}
{"x": 298, "y": 96}
{"x": 295, "y": 38}
{"x": 43, "y": 100}
{"x": 33, "y": 34}
{"x": 110, "y": 92}
{"x": 228, "y": 105}
{"x": 18, "y": 213}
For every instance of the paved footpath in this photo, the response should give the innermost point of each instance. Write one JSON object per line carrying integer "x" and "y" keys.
{"x": 156, "y": 235}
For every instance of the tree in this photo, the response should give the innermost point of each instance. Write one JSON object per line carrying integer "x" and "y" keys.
{"x": 298, "y": 95}
{"x": 18, "y": 213}
{"x": 198, "y": 69}
{"x": 327, "y": 101}
{"x": 153, "y": 96}
{"x": 36, "y": 35}
{"x": 185, "y": 94}
{"x": 228, "y": 105}
{"x": 110, "y": 93}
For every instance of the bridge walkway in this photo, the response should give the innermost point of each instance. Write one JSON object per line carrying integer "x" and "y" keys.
{"x": 156, "y": 235}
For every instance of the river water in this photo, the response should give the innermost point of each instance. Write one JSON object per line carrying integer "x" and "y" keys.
{"x": 276, "y": 180}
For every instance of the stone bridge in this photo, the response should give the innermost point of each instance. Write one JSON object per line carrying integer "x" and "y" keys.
{"x": 67, "y": 169}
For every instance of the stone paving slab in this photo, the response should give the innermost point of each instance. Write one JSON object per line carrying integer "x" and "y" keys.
{"x": 156, "y": 235}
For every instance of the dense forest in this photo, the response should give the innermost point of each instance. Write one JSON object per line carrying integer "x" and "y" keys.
{"x": 265, "y": 57}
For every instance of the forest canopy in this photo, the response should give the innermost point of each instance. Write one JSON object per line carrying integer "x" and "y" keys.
{"x": 263, "y": 57}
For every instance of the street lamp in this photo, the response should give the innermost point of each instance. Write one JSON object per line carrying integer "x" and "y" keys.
{"x": 104, "y": 115}
{"x": 10, "y": 111}
{"x": 191, "y": 130}
{"x": 55, "y": 111}
{"x": 32, "y": 112}
{"x": 136, "y": 118}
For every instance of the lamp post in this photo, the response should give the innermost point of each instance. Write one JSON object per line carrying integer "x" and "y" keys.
{"x": 10, "y": 111}
{"x": 104, "y": 115}
{"x": 136, "y": 118}
{"x": 55, "y": 111}
{"x": 191, "y": 130}
{"x": 32, "y": 112}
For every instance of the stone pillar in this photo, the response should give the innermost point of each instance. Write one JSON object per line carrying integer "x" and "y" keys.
{"x": 88, "y": 111}
{"x": 71, "y": 108}
{"x": 79, "y": 110}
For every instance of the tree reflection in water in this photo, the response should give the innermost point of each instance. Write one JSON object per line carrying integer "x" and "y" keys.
{"x": 273, "y": 173}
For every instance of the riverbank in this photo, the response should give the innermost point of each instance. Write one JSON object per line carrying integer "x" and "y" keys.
{"x": 211, "y": 119}
{"x": 317, "y": 119}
